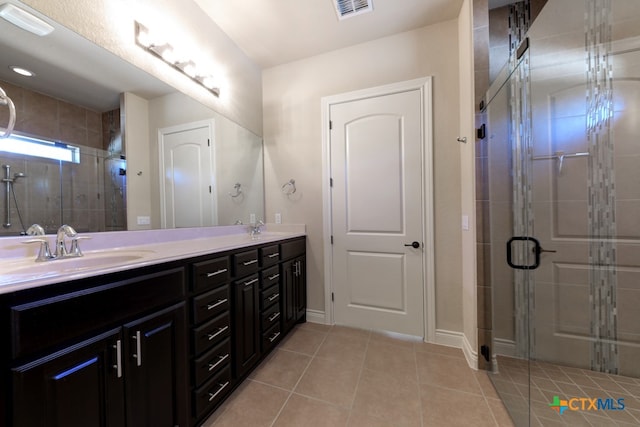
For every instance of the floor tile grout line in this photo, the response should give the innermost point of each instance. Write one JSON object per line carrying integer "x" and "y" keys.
{"x": 299, "y": 379}
{"x": 355, "y": 392}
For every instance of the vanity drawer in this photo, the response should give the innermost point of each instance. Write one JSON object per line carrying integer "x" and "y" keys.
{"x": 271, "y": 337}
{"x": 211, "y": 273}
{"x": 270, "y": 277}
{"x": 211, "y": 332}
{"x": 211, "y": 393}
{"x": 269, "y": 296}
{"x": 270, "y": 317}
{"x": 292, "y": 249}
{"x": 211, "y": 362}
{"x": 51, "y": 322}
{"x": 210, "y": 304}
{"x": 269, "y": 255}
{"x": 245, "y": 263}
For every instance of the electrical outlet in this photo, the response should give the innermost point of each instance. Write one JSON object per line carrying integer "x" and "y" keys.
{"x": 144, "y": 220}
{"x": 278, "y": 218}
{"x": 252, "y": 218}
{"x": 465, "y": 222}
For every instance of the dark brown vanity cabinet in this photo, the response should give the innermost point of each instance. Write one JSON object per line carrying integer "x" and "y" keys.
{"x": 211, "y": 352}
{"x": 294, "y": 289}
{"x": 161, "y": 345}
{"x": 98, "y": 357}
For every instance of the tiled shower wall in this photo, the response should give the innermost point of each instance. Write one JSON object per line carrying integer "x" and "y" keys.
{"x": 90, "y": 195}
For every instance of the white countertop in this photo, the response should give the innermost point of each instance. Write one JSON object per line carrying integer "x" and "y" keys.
{"x": 110, "y": 252}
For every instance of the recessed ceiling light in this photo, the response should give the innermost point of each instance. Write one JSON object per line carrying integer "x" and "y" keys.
{"x": 24, "y": 19}
{"x": 22, "y": 71}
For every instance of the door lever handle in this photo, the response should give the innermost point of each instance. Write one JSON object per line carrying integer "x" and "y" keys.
{"x": 414, "y": 245}
{"x": 540, "y": 250}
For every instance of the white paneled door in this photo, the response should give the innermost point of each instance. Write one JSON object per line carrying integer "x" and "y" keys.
{"x": 186, "y": 176}
{"x": 377, "y": 212}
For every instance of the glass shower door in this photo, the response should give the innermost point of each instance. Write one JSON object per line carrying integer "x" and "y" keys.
{"x": 567, "y": 333}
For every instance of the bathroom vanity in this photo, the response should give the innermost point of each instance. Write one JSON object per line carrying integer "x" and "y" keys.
{"x": 159, "y": 340}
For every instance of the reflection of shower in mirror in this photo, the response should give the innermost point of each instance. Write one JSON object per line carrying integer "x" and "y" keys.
{"x": 5, "y": 100}
{"x": 9, "y": 181}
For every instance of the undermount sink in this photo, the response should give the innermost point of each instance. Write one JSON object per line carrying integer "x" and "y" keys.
{"x": 73, "y": 264}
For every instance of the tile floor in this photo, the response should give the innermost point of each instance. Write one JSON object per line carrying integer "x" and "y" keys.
{"x": 335, "y": 376}
{"x": 549, "y": 380}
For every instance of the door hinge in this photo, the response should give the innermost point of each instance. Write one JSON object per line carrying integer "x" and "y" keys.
{"x": 330, "y": 125}
{"x": 209, "y": 189}
{"x": 332, "y": 239}
{"x": 330, "y": 182}
{"x": 332, "y": 296}
{"x": 208, "y": 143}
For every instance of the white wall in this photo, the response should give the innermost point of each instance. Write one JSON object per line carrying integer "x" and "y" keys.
{"x": 293, "y": 142}
{"x": 467, "y": 180}
{"x": 135, "y": 116}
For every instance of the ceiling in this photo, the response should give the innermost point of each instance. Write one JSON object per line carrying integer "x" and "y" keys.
{"x": 273, "y": 32}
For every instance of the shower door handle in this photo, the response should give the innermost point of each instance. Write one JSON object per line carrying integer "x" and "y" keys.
{"x": 536, "y": 250}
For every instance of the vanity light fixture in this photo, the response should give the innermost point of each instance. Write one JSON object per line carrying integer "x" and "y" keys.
{"x": 22, "y": 71}
{"x": 24, "y": 19}
{"x": 169, "y": 55}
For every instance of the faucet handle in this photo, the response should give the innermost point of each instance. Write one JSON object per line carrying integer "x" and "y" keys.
{"x": 44, "y": 253}
{"x": 75, "y": 247}
{"x": 35, "y": 230}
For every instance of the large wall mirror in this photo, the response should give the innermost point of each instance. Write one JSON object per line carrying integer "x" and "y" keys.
{"x": 76, "y": 106}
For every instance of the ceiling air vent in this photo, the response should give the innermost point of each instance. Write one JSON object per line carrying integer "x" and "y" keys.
{"x": 349, "y": 8}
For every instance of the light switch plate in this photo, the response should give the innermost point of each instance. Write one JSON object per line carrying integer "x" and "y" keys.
{"x": 278, "y": 218}
{"x": 465, "y": 222}
{"x": 144, "y": 220}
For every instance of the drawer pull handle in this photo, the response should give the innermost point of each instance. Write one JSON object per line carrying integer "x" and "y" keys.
{"x": 273, "y": 297}
{"x": 253, "y": 261}
{"x": 118, "y": 365}
{"x": 273, "y": 338}
{"x": 250, "y": 282}
{"x": 216, "y": 304}
{"x": 274, "y": 255}
{"x": 222, "y": 387}
{"x": 275, "y": 276}
{"x": 220, "y": 330}
{"x": 274, "y": 316}
{"x": 215, "y": 273}
{"x": 221, "y": 359}
{"x": 138, "y": 354}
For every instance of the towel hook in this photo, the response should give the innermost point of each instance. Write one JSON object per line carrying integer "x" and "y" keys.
{"x": 289, "y": 187}
{"x": 238, "y": 190}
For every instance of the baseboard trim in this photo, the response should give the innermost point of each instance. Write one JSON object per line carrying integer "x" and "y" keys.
{"x": 317, "y": 316}
{"x": 504, "y": 347}
{"x": 458, "y": 340}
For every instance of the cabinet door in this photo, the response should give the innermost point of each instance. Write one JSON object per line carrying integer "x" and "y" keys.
{"x": 246, "y": 325}
{"x": 288, "y": 295}
{"x": 81, "y": 386}
{"x": 156, "y": 381}
{"x": 300, "y": 289}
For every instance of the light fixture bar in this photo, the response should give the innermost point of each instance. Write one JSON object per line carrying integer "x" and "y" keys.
{"x": 167, "y": 53}
{"x": 24, "y": 19}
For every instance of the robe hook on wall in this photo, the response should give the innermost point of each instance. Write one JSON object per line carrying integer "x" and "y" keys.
{"x": 289, "y": 187}
{"x": 237, "y": 190}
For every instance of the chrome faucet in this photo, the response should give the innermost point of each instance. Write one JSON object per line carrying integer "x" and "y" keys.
{"x": 61, "y": 247}
{"x": 254, "y": 229}
{"x": 44, "y": 254}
